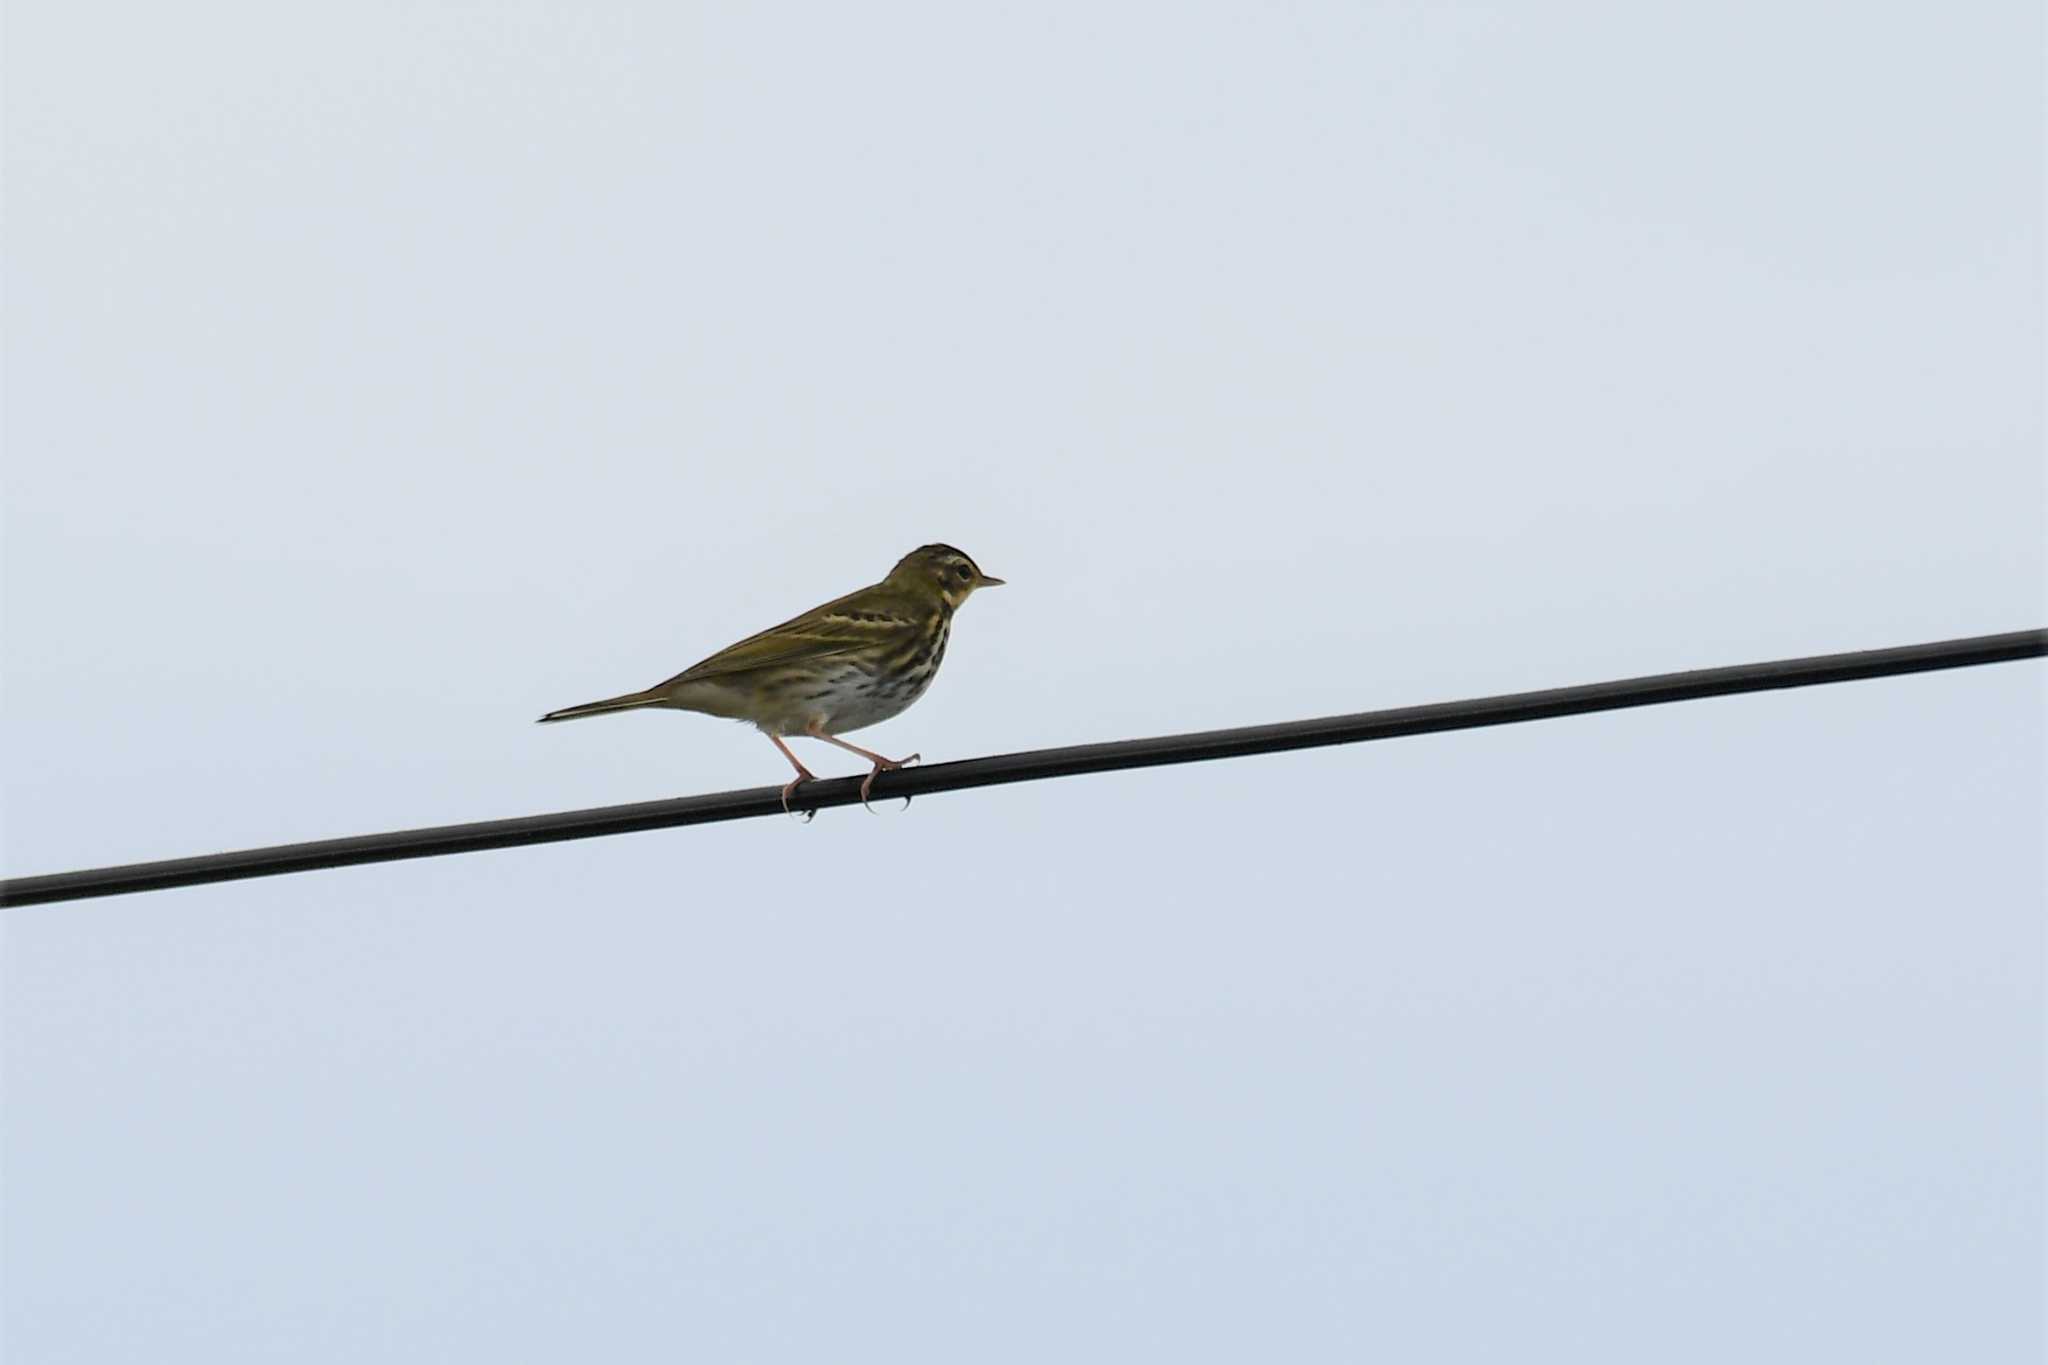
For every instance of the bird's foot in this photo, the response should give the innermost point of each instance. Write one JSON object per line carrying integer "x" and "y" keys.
{"x": 883, "y": 765}
{"x": 806, "y": 816}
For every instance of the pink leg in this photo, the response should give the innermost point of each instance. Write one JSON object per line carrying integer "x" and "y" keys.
{"x": 803, "y": 774}
{"x": 882, "y": 765}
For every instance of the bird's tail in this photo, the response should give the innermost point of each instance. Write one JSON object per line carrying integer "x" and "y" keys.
{"x": 629, "y": 702}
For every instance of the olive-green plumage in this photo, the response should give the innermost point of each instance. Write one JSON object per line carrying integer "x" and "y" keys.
{"x": 850, "y": 663}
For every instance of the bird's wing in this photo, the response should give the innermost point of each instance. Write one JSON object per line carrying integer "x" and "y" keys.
{"x": 861, "y": 620}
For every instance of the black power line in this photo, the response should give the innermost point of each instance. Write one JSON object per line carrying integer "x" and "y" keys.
{"x": 1030, "y": 767}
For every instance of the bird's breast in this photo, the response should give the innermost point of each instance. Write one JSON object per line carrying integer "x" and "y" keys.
{"x": 857, "y": 689}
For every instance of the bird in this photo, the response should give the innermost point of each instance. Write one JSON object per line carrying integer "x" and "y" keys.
{"x": 856, "y": 661}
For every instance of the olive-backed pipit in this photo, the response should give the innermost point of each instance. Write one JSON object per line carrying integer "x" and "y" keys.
{"x": 852, "y": 662}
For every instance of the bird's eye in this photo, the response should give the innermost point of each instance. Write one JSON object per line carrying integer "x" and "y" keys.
{"x": 963, "y": 573}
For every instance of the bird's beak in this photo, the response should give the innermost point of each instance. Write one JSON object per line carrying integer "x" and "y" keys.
{"x": 984, "y": 581}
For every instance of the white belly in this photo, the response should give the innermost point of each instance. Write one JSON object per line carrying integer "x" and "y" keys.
{"x": 849, "y": 699}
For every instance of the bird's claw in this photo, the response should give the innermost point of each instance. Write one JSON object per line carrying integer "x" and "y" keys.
{"x": 800, "y": 816}
{"x": 867, "y": 783}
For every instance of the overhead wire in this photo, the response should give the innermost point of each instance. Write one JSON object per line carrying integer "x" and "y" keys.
{"x": 1029, "y": 766}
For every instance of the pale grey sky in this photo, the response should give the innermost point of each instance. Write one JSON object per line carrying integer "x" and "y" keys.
{"x": 380, "y": 376}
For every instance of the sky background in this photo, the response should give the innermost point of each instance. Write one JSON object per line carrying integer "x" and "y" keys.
{"x": 380, "y": 376}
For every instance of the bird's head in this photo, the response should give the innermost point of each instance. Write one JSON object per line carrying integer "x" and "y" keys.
{"x": 943, "y": 570}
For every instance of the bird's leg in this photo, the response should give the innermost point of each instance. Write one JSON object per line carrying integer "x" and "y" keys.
{"x": 803, "y": 775}
{"x": 882, "y": 765}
